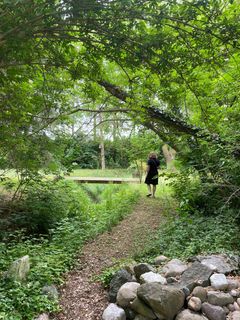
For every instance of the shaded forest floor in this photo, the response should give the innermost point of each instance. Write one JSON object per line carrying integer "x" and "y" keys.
{"x": 84, "y": 298}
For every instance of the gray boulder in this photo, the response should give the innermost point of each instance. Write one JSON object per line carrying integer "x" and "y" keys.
{"x": 19, "y": 269}
{"x": 152, "y": 277}
{"x": 174, "y": 268}
{"x": 222, "y": 263}
{"x": 213, "y": 312}
{"x": 219, "y": 298}
{"x": 190, "y": 315}
{"x": 51, "y": 292}
{"x": 113, "y": 312}
{"x": 142, "y": 268}
{"x": 196, "y": 275}
{"x": 219, "y": 281}
{"x": 119, "y": 278}
{"x": 140, "y": 307}
{"x": 200, "y": 293}
{"x": 165, "y": 301}
{"x": 127, "y": 293}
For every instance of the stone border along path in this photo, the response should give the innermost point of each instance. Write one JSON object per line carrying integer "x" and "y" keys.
{"x": 82, "y": 297}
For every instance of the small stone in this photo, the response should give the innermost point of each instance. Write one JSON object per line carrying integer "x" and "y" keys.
{"x": 236, "y": 306}
{"x": 139, "y": 317}
{"x": 171, "y": 280}
{"x": 231, "y": 307}
{"x": 219, "y": 281}
{"x": 194, "y": 304}
{"x": 42, "y": 316}
{"x": 235, "y": 315}
{"x": 219, "y": 298}
{"x": 113, "y": 312}
{"x": 186, "y": 291}
{"x": 238, "y": 301}
{"x": 159, "y": 260}
{"x": 233, "y": 284}
{"x": 234, "y": 293}
{"x": 130, "y": 314}
{"x": 226, "y": 309}
{"x": 51, "y": 292}
{"x": 152, "y": 277}
{"x": 174, "y": 268}
{"x": 127, "y": 293}
{"x": 142, "y": 268}
{"x": 190, "y": 315}
{"x": 213, "y": 312}
{"x": 200, "y": 292}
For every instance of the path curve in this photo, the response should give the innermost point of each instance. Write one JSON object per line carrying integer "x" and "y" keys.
{"x": 85, "y": 299}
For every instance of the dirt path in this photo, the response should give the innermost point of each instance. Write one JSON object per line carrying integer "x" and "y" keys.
{"x": 85, "y": 299}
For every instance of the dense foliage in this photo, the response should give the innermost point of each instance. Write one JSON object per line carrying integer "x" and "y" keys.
{"x": 170, "y": 66}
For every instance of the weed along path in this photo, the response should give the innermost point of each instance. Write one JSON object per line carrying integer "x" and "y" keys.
{"x": 82, "y": 297}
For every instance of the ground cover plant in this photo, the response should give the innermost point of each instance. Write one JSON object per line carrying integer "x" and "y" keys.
{"x": 54, "y": 253}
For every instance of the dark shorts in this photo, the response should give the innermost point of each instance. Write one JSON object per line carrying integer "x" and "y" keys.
{"x": 149, "y": 180}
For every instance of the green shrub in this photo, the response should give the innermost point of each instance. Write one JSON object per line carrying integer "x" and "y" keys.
{"x": 46, "y": 203}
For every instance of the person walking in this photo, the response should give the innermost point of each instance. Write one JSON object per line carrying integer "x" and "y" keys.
{"x": 152, "y": 174}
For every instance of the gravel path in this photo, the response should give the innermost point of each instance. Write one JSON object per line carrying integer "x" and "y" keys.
{"x": 82, "y": 298}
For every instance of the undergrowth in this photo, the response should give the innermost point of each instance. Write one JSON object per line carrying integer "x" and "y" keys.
{"x": 186, "y": 235}
{"x": 53, "y": 254}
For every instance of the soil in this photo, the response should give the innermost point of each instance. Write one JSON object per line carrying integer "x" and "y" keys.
{"x": 84, "y": 298}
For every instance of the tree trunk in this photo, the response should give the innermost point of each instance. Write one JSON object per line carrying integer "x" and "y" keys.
{"x": 101, "y": 145}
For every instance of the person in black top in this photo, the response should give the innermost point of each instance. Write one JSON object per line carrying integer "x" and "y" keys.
{"x": 152, "y": 174}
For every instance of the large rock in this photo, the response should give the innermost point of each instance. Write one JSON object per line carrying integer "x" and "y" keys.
{"x": 219, "y": 281}
{"x": 140, "y": 307}
{"x": 113, "y": 312}
{"x": 127, "y": 293}
{"x": 197, "y": 274}
{"x": 190, "y": 315}
{"x": 165, "y": 301}
{"x": 19, "y": 269}
{"x": 219, "y": 298}
{"x": 174, "y": 268}
{"x": 152, "y": 277}
{"x": 222, "y": 263}
{"x": 213, "y": 312}
{"x": 119, "y": 278}
{"x": 142, "y": 268}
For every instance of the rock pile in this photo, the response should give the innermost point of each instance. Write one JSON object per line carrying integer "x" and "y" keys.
{"x": 202, "y": 289}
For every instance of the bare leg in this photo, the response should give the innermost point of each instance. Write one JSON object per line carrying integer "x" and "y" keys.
{"x": 154, "y": 191}
{"x": 149, "y": 190}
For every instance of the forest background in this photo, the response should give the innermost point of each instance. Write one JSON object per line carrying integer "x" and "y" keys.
{"x": 136, "y": 74}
